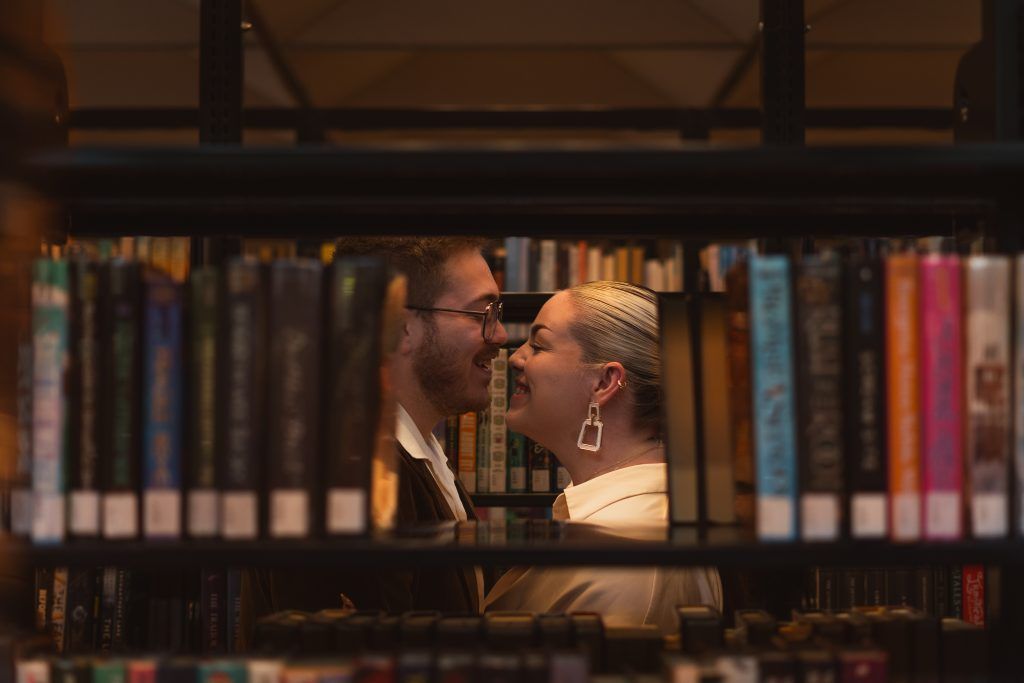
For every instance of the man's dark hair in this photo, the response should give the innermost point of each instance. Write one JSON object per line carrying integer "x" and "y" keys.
{"x": 422, "y": 259}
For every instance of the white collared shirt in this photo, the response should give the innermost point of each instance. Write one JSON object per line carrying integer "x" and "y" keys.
{"x": 636, "y": 495}
{"x": 430, "y": 450}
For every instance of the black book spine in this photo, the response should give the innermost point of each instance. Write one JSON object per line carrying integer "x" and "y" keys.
{"x": 924, "y": 594}
{"x": 293, "y": 467}
{"x": 853, "y": 588}
{"x": 201, "y": 469}
{"x": 122, "y": 437}
{"x": 819, "y": 393}
{"x": 80, "y": 622}
{"x": 84, "y": 398}
{"x": 864, "y": 337}
{"x": 358, "y": 287}
{"x": 241, "y": 426}
{"x": 941, "y": 579}
{"x": 44, "y": 598}
{"x": 956, "y": 591}
{"x": 213, "y": 609}
{"x": 875, "y": 592}
{"x": 899, "y": 586}
{"x": 122, "y": 623}
{"x": 108, "y": 601}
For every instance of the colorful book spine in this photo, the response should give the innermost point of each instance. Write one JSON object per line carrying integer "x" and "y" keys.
{"x": 517, "y": 463}
{"x": 162, "y": 410}
{"x": 49, "y": 399}
{"x": 819, "y": 330}
{"x": 496, "y": 429}
{"x": 467, "y": 451}
{"x": 941, "y": 396}
{"x": 84, "y": 399}
{"x": 357, "y": 294}
{"x": 773, "y": 400}
{"x": 122, "y": 405}
{"x": 902, "y": 372}
{"x": 540, "y": 469}
{"x": 203, "y": 498}
{"x": 988, "y": 371}
{"x": 295, "y": 350}
{"x": 974, "y": 594}
{"x": 141, "y": 670}
{"x": 864, "y": 351}
{"x": 59, "y": 609}
{"x": 242, "y": 422}
{"x": 109, "y": 671}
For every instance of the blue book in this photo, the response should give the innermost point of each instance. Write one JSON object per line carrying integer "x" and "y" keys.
{"x": 771, "y": 337}
{"x": 49, "y": 399}
{"x": 162, "y": 407}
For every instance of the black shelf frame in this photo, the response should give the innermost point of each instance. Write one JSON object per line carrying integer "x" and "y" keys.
{"x": 513, "y": 500}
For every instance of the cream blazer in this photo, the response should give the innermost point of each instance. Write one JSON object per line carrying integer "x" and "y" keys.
{"x": 627, "y": 596}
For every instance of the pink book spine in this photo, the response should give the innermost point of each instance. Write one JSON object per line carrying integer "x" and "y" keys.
{"x": 941, "y": 397}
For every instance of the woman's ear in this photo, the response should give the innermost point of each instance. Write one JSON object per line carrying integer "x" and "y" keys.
{"x": 610, "y": 381}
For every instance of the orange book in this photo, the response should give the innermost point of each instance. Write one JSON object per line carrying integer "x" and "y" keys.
{"x": 902, "y": 294}
{"x": 581, "y": 257}
{"x": 467, "y": 451}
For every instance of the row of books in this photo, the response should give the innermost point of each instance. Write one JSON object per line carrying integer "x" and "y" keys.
{"x": 157, "y": 408}
{"x": 861, "y": 646}
{"x": 487, "y": 456}
{"x": 954, "y": 591}
{"x": 872, "y": 396}
{"x": 114, "y": 610}
{"x": 525, "y": 264}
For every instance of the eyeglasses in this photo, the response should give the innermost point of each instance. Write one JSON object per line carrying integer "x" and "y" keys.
{"x": 491, "y": 316}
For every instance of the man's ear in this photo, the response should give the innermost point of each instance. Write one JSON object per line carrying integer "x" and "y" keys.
{"x": 611, "y": 379}
{"x": 411, "y": 331}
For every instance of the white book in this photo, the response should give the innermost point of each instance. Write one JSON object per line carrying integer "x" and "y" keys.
{"x": 496, "y": 430}
{"x": 987, "y": 366}
{"x": 547, "y": 269}
{"x": 608, "y": 266}
{"x": 594, "y": 261}
{"x": 678, "y": 268}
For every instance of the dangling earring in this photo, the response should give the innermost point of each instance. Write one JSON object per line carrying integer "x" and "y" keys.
{"x": 593, "y": 420}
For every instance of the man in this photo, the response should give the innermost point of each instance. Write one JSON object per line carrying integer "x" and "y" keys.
{"x": 451, "y": 332}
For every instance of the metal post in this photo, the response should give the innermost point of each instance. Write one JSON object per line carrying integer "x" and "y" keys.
{"x": 782, "y": 72}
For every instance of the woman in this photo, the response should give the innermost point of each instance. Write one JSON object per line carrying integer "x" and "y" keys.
{"x": 588, "y": 389}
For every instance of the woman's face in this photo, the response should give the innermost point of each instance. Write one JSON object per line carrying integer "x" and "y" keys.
{"x": 552, "y": 388}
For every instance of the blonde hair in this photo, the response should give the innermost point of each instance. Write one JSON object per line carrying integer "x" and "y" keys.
{"x": 618, "y": 321}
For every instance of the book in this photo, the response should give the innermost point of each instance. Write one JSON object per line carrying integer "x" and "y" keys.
{"x": 902, "y": 378}
{"x": 242, "y": 391}
{"x": 771, "y": 346}
{"x": 483, "y": 452}
{"x": 941, "y": 396}
{"x": 974, "y": 594}
{"x": 21, "y": 482}
{"x": 43, "y": 591}
{"x": 49, "y": 399}
{"x": 201, "y": 475}
{"x": 109, "y": 671}
{"x": 82, "y": 610}
{"x": 864, "y": 390}
{"x": 740, "y": 408}
{"x": 714, "y": 410}
{"x": 988, "y": 371}
{"x": 59, "y": 609}
{"x": 108, "y": 600}
{"x": 141, "y": 671}
{"x": 122, "y": 404}
{"x": 819, "y": 332}
{"x": 496, "y": 429}
{"x": 213, "y": 611}
{"x": 680, "y": 409}
{"x": 357, "y": 321}
{"x": 84, "y": 399}
{"x": 467, "y": 451}
{"x": 162, "y": 407}
{"x": 294, "y": 390}
{"x": 517, "y": 463}
{"x": 540, "y": 468}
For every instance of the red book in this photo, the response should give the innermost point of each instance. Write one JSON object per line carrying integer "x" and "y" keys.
{"x": 974, "y": 594}
{"x": 941, "y": 397}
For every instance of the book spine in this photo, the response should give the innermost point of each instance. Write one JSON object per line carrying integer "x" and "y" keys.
{"x": 81, "y": 601}
{"x": 820, "y": 432}
{"x": 496, "y": 429}
{"x": 122, "y": 375}
{"x": 357, "y": 294}
{"x": 902, "y": 372}
{"x": 483, "y": 452}
{"x": 203, "y": 499}
{"x": 43, "y": 598}
{"x": 111, "y": 671}
{"x": 941, "y": 394}
{"x": 512, "y": 283}
{"x": 740, "y": 408}
{"x": 594, "y": 259}
{"x": 1018, "y": 425}
{"x": 233, "y": 612}
{"x": 294, "y": 397}
{"x": 467, "y": 451}
{"x": 49, "y": 408}
{"x": 773, "y": 404}
{"x": 21, "y": 487}
{"x": 974, "y": 594}
{"x": 84, "y": 400}
{"x": 162, "y": 411}
{"x": 560, "y": 475}
{"x": 988, "y": 371}
{"x": 540, "y": 469}
{"x": 451, "y": 442}
{"x": 122, "y": 625}
{"x": 213, "y": 611}
{"x": 108, "y": 601}
{"x": 864, "y": 352}
{"x": 517, "y": 463}
{"x": 59, "y": 609}
{"x": 547, "y": 269}
{"x": 241, "y": 424}
{"x": 956, "y": 592}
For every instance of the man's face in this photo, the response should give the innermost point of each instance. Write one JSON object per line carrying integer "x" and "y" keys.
{"x": 452, "y": 362}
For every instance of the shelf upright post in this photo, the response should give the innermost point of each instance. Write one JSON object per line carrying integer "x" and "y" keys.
{"x": 782, "y": 72}
{"x": 221, "y": 66}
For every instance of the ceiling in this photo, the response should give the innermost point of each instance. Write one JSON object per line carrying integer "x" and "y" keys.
{"x": 481, "y": 53}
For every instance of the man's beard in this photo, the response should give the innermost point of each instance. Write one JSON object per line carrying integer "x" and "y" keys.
{"x": 442, "y": 375}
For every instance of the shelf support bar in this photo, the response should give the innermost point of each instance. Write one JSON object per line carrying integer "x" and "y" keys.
{"x": 782, "y": 72}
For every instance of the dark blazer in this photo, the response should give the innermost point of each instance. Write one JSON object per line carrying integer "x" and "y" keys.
{"x": 447, "y": 588}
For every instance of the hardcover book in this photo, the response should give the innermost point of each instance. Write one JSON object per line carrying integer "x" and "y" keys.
{"x": 84, "y": 399}
{"x": 819, "y": 332}
{"x": 201, "y": 476}
{"x": 496, "y": 429}
{"x": 771, "y": 341}
{"x": 902, "y": 373}
{"x": 864, "y": 363}
{"x": 740, "y": 408}
{"x": 294, "y": 390}
{"x": 987, "y": 359}
{"x": 467, "y": 451}
{"x": 941, "y": 396}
